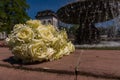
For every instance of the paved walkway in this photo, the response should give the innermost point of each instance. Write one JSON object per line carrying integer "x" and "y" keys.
{"x": 16, "y": 74}
{"x": 104, "y": 64}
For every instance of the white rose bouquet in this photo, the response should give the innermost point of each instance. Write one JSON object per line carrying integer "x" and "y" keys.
{"x": 33, "y": 41}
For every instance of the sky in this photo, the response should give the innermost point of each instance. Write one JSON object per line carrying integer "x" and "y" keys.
{"x": 40, "y": 5}
{"x": 54, "y": 5}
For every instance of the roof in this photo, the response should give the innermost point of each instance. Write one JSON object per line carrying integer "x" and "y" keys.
{"x": 45, "y": 13}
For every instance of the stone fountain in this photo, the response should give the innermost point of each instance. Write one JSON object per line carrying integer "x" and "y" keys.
{"x": 86, "y": 13}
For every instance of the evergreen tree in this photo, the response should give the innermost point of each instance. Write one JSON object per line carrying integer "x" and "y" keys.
{"x": 11, "y": 13}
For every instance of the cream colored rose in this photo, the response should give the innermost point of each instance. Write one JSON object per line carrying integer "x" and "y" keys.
{"x": 34, "y": 24}
{"x": 66, "y": 49}
{"x": 18, "y": 26}
{"x": 36, "y": 42}
{"x": 60, "y": 42}
{"x": 51, "y": 28}
{"x": 63, "y": 34}
{"x": 40, "y": 52}
{"x": 11, "y": 41}
{"x": 45, "y": 33}
{"x": 21, "y": 52}
{"x": 25, "y": 34}
{"x": 71, "y": 47}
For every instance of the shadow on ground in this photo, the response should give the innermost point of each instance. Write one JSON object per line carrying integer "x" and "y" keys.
{"x": 11, "y": 60}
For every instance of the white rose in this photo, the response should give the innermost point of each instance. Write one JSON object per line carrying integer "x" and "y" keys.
{"x": 11, "y": 41}
{"x": 45, "y": 33}
{"x": 51, "y": 28}
{"x": 36, "y": 42}
{"x": 34, "y": 24}
{"x": 21, "y": 52}
{"x": 37, "y": 51}
{"x": 71, "y": 47}
{"x": 17, "y": 27}
{"x": 25, "y": 34}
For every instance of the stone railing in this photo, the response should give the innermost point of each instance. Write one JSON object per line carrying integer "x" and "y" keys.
{"x": 3, "y": 35}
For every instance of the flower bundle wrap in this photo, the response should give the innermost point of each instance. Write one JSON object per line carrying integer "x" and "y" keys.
{"x": 33, "y": 41}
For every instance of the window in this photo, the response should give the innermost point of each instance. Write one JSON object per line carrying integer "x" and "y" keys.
{"x": 49, "y": 22}
{"x": 44, "y": 22}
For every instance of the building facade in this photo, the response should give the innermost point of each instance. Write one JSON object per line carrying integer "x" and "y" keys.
{"x": 47, "y": 17}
